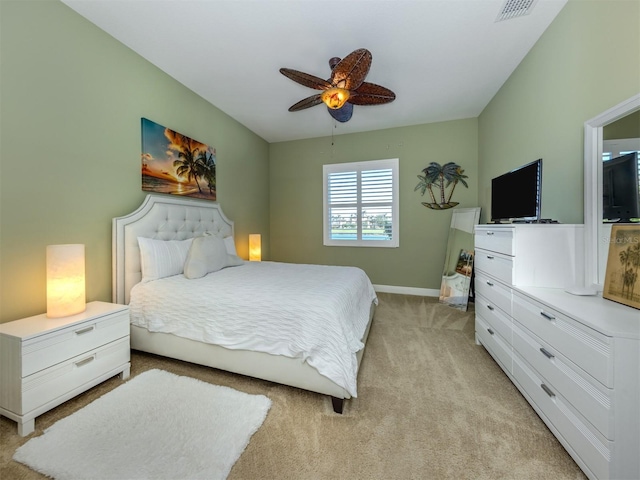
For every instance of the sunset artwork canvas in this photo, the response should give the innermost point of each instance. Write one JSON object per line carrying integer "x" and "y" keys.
{"x": 176, "y": 164}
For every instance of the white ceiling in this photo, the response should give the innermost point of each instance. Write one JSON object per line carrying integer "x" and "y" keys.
{"x": 444, "y": 59}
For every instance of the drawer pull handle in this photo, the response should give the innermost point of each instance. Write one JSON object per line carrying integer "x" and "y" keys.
{"x": 489, "y": 257}
{"x": 85, "y": 330}
{"x": 490, "y": 331}
{"x": 490, "y": 284}
{"x": 84, "y": 362}
{"x": 490, "y": 307}
{"x": 547, "y": 390}
{"x": 546, "y": 353}
{"x": 489, "y": 233}
{"x": 548, "y": 316}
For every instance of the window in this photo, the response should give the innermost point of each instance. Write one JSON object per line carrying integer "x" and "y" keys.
{"x": 361, "y": 204}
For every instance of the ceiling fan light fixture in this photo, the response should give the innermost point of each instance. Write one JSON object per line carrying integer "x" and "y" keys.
{"x": 344, "y": 89}
{"x": 335, "y": 98}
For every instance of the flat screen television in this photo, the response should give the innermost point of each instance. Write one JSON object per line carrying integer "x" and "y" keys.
{"x": 620, "y": 196}
{"x": 516, "y": 195}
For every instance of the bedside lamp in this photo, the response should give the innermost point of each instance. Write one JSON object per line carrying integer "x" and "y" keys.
{"x": 65, "y": 280}
{"x": 255, "y": 247}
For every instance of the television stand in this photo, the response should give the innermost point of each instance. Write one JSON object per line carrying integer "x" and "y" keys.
{"x": 573, "y": 357}
{"x": 542, "y": 220}
{"x": 620, "y": 220}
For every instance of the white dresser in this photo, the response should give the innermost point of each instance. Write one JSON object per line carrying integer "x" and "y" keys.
{"x": 575, "y": 359}
{"x": 47, "y": 361}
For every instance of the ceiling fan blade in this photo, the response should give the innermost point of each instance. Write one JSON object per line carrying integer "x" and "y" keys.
{"x": 342, "y": 114}
{"x": 305, "y": 79}
{"x": 351, "y": 71}
{"x": 371, "y": 94}
{"x": 311, "y": 101}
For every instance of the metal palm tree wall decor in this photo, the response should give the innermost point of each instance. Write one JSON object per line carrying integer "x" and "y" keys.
{"x": 344, "y": 89}
{"x": 440, "y": 177}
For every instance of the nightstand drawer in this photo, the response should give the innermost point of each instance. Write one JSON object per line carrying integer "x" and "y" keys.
{"x": 495, "y": 264}
{"x": 494, "y": 292}
{"x": 47, "y": 350}
{"x": 498, "y": 240}
{"x": 45, "y": 386}
{"x": 588, "y": 349}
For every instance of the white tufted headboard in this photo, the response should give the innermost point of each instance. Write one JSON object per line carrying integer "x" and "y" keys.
{"x": 164, "y": 218}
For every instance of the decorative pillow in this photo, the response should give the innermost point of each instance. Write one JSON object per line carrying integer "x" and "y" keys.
{"x": 208, "y": 254}
{"x": 231, "y": 246}
{"x": 162, "y": 258}
{"x": 234, "y": 261}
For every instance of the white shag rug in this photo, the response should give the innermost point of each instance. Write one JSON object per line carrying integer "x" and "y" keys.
{"x": 156, "y": 426}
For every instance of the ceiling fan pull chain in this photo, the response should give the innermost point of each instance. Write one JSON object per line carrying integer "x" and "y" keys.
{"x": 335, "y": 126}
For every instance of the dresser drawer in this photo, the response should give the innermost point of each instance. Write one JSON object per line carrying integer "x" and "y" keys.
{"x": 494, "y": 264}
{"x": 588, "y": 397}
{"x": 577, "y": 436}
{"x": 47, "y": 385}
{"x": 497, "y": 294}
{"x": 588, "y": 349}
{"x": 41, "y": 352}
{"x": 495, "y": 318}
{"x": 494, "y": 344}
{"x": 498, "y": 240}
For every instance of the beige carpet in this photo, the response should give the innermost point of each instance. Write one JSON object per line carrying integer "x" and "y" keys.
{"x": 431, "y": 405}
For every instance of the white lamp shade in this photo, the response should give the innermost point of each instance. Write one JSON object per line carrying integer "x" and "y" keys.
{"x": 65, "y": 280}
{"x": 255, "y": 247}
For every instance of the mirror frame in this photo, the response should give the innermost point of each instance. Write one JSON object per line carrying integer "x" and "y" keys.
{"x": 593, "y": 185}
{"x": 474, "y": 213}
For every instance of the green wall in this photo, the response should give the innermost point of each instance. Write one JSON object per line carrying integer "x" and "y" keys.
{"x": 71, "y": 99}
{"x": 587, "y": 61}
{"x": 626, "y": 127}
{"x": 296, "y": 199}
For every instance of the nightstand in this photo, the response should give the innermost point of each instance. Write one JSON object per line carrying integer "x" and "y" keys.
{"x": 46, "y": 361}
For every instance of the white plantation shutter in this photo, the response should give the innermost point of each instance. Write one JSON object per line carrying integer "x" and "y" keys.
{"x": 361, "y": 204}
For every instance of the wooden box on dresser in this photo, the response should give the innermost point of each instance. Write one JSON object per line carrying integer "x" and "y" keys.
{"x": 46, "y": 361}
{"x": 574, "y": 358}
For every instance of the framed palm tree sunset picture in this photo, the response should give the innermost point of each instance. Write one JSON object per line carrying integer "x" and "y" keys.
{"x": 175, "y": 164}
{"x": 621, "y": 283}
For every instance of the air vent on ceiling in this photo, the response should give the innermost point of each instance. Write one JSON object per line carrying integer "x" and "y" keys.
{"x": 515, "y": 8}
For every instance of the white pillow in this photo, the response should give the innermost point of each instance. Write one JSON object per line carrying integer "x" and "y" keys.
{"x": 208, "y": 254}
{"x": 229, "y": 242}
{"x": 231, "y": 245}
{"x": 234, "y": 261}
{"x": 162, "y": 258}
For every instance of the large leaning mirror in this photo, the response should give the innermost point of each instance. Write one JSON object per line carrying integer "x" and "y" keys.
{"x": 458, "y": 263}
{"x": 598, "y": 147}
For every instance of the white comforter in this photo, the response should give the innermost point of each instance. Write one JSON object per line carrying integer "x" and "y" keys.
{"x": 314, "y": 312}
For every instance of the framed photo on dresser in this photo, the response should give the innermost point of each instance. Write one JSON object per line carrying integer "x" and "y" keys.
{"x": 622, "y": 279}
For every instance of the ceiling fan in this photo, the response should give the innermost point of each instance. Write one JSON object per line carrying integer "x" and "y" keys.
{"x": 344, "y": 89}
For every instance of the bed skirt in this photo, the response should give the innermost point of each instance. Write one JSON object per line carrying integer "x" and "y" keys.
{"x": 275, "y": 368}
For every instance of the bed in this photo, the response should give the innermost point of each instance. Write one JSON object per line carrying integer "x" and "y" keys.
{"x": 338, "y": 300}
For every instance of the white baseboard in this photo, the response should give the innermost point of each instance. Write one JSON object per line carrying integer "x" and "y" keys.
{"x": 422, "y": 292}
